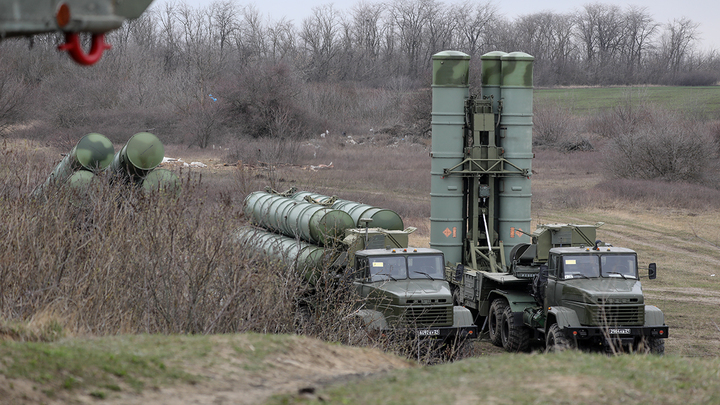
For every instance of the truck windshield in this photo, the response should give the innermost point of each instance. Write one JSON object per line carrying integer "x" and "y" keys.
{"x": 426, "y": 266}
{"x": 581, "y": 266}
{"x": 388, "y": 268}
{"x": 619, "y": 266}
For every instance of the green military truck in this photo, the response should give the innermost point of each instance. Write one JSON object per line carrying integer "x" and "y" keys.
{"x": 402, "y": 289}
{"x": 567, "y": 291}
{"x": 555, "y": 286}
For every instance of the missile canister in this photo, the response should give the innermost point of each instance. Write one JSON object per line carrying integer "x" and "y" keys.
{"x": 142, "y": 153}
{"x": 310, "y": 222}
{"x": 381, "y": 218}
{"x": 450, "y": 90}
{"x": 93, "y": 153}
{"x": 516, "y": 139}
{"x": 295, "y": 254}
{"x": 163, "y": 181}
{"x": 491, "y": 70}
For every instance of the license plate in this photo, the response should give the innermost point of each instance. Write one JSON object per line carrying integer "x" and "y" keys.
{"x": 428, "y": 332}
{"x": 619, "y": 331}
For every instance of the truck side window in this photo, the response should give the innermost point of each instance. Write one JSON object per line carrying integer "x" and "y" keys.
{"x": 361, "y": 272}
{"x": 552, "y": 266}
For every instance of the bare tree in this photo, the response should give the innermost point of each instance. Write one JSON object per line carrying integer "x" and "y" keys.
{"x": 677, "y": 42}
{"x": 319, "y": 35}
{"x": 474, "y": 21}
{"x": 411, "y": 18}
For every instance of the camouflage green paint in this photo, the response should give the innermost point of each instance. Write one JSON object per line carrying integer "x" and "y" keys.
{"x": 162, "y": 181}
{"x": 294, "y": 254}
{"x": 451, "y": 68}
{"x": 92, "y": 153}
{"x": 381, "y": 218}
{"x": 449, "y": 92}
{"x": 142, "y": 153}
{"x": 310, "y": 222}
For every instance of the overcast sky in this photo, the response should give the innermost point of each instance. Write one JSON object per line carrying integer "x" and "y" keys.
{"x": 705, "y": 12}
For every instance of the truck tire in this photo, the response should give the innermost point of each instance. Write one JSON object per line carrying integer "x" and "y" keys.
{"x": 497, "y": 308}
{"x": 652, "y": 346}
{"x": 555, "y": 340}
{"x": 515, "y": 338}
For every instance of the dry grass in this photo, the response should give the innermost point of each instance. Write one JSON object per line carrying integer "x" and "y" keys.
{"x": 152, "y": 265}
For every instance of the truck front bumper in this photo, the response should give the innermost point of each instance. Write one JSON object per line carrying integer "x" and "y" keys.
{"x": 444, "y": 332}
{"x": 617, "y": 333}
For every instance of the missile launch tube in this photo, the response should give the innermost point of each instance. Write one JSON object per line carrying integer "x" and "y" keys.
{"x": 142, "y": 153}
{"x": 163, "y": 181}
{"x": 310, "y": 222}
{"x": 450, "y": 90}
{"x": 295, "y": 254}
{"x": 93, "y": 153}
{"x": 516, "y": 139}
{"x": 381, "y": 218}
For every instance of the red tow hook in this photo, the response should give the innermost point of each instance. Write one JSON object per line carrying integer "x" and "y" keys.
{"x": 72, "y": 46}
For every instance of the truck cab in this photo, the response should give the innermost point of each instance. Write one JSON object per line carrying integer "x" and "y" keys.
{"x": 593, "y": 295}
{"x": 405, "y": 290}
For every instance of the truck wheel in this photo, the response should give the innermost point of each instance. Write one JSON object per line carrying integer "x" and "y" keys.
{"x": 555, "y": 340}
{"x": 497, "y": 308}
{"x": 652, "y": 346}
{"x": 515, "y": 338}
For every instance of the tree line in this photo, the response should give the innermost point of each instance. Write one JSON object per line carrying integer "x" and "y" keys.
{"x": 223, "y": 70}
{"x": 596, "y": 44}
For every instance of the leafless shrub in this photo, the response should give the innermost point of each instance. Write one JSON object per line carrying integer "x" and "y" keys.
{"x": 624, "y": 118}
{"x": 660, "y": 193}
{"x": 665, "y": 147}
{"x": 555, "y": 125}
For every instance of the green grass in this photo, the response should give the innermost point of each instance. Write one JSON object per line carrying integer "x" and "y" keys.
{"x": 701, "y": 101}
{"x": 566, "y": 378}
{"x": 130, "y": 363}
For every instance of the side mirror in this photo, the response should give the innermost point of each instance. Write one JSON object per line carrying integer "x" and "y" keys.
{"x": 459, "y": 271}
{"x": 652, "y": 271}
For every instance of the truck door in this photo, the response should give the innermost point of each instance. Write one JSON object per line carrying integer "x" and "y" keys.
{"x": 554, "y": 274}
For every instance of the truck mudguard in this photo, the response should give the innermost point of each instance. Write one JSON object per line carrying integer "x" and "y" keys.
{"x": 565, "y": 317}
{"x": 653, "y": 316}
{"x": 518, "y": 300}
{"x": 374, "y": 320}
{"x": 462, "y": 317}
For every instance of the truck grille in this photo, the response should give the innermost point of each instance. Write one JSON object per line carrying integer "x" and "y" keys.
{"x": 612, "y": 315}
{"x": 427, "y": 316}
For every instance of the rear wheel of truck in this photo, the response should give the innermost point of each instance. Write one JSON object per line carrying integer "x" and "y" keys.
{"x": 515, "y": 337}
{"x": 497, "y": 308}
{"x": 555, "y": 340}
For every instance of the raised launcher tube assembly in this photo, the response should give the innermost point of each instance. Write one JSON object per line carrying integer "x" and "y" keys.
{"x": 481, "y": 159}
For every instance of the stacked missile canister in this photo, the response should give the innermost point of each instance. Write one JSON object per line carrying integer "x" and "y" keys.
{"x": 92, "y": 154}
{"x": 304, "y": 230}
{"x": 140, "y": 155}
{"x": 481, "y": 158}
{"x": 134, "y": 164}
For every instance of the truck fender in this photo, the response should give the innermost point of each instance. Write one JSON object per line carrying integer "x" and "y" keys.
{"x": 565, "y": 317}
{"x": 373, "y": 320}
{"x": 518, "y": 301}
{"x": 462, "y": 317}
{"x": 654, "y": 316}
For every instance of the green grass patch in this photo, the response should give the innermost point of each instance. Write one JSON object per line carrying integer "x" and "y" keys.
{"x": 119, "y": 363}
{"x": 566, "y": 378}
{"x": 702, "y": 101}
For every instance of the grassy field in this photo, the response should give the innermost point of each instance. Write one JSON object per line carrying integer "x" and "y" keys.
{"x": 77, "y": 355}
{"x": 701, "y": 101}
